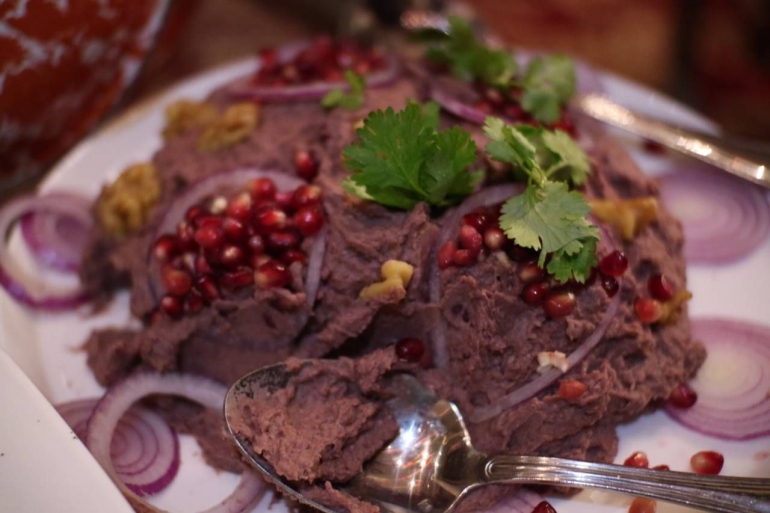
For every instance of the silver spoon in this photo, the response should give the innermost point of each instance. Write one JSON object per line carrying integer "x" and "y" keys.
{"x": 431, "y": 465}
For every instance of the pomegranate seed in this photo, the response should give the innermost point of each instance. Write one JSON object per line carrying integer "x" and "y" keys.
{"x": 239, "y": 207}
{"x": 614, "y": 264}
{"x": 535, "y": 293}
{"x": 207, "y": 220}
{"x": 660, "y": 288}
{"x": 165, "y": 248}
{"x": 514, "y": 111}
{"x": 445, "y": 254}
{"x": 544, "y": 507}
{"x": 270, "y": 219}
{"x": 648, "y": 310}
{"x": 520, "y": 254}
{"x": 232, "y": 256}
{"x": 192, "y": 213}
{"x": 707, "y": 462}
{"x": 210, "y": 237}
{"x": 294, "y": 255}
{"x": 306, "y": 165}
{"x": 610, "y": 285}
{"x": 494, "y": 238}
{"x": 256, "y": 244}
{"x": 571, "y": 390}
{"x": 285, "y": 201}
{"x": 494, "y": 96}
{"x": 268, "y": 58}
{"x": 683, "y": 397}
{"x": 480, "y": 221}
{"x": 194, "y": 303}
{"x": 661, "y": 467}
{"x": 530, "y": 272}
{"x": 470, "y": 239}
{"x": 176, "y": 281}
{"x": 279, "y": 242}
{"x": 484, "y": 106}
{"x": 559, "y": 304}
{"x": 463, "y": 257}
{"x": 207, "y": 287}
{"x": 305, "y": 196}
{"x": 202, "y": 265}
{"x": 186, "y": 237}
{"x": 410, "y": 349}
{"x": 188, "y": 262}
{"x": 643, "y": 505}
{"x": 237, "y": 279}
{"x": 171, "y": 306}
{"x": 272, "y": 275}
{"x": 262, "y": 189}
{"x": 637, "y": 459}
{"x": 258, "y": 260}
{"x": 309, "y": 220}
{"x": 234, "y": 230}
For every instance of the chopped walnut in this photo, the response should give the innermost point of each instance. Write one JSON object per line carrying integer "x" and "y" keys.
{"x": 124, "y": 206}
{"x": 628, "y": 216}
{"x": 396, "y": 276}
{"x": 186, "y": 115}
{"x": 234, "y": 126}
{"x": 548, "y": 359}
{"x": 671, "y": 310}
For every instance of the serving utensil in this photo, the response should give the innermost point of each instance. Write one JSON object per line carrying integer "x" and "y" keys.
{"x": 432, "y": 464}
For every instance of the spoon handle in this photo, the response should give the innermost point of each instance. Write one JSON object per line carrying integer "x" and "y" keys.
{"x": 708, "y": 493}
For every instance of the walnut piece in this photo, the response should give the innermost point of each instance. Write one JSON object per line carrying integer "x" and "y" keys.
{"x": 124, "y": 206}
{"x": 548, "y": 359}
{"x": 234, "y": 126}
{"x": 186, "y": 115}
{"x": 627, "y": 216}
{"x": 396, "y": 276}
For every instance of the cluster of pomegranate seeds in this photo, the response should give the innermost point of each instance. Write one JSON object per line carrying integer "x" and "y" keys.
{"x": 413, "y": 350}
{"x": 643, "y": 505}
{"x": 650, "y": 310}
{"x": 637, "y": 459}
{"x": 611, "y": 267}
{"x": 544, "y": 507}
{"x": 223, "y": 243}
{"x": 683, "y": 397}
{"x": 707, "y": 462}
{"x": 324, "y": 60}
{"x": 507, "y": 104}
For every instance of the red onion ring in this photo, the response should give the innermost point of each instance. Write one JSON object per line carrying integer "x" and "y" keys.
{"x": 724, "y": 218}
{"x": 58, "y": 240}
{"x": 546, "y": 379}
{"x": 244, "y": 89}
{"x": 734, "y": 382}
{"x": 315, "y": 260}
{"x": 26, "y": 289}
{"x": 523, "y": 501}
{"x": 484, "y": 198}
{"x": 119, "y": 399}
{"x": 144, "y": 450}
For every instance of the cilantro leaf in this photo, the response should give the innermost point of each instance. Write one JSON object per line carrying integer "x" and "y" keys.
{"x": 351, "y": 100}
{"x": 571, "y": 162}
{"x": 469, "y": 59}
{"x": 548, "y": 83}
{"x": 564, "y": 266}
{"x": 401, "y": 159}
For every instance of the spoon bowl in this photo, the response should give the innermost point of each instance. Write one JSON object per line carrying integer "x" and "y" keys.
{"x": 431, "y": 465}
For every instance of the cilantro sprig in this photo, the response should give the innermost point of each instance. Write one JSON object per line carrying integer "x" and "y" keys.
{"x": 350, "y": 100}
{"x": 402, "y": 159}
{"x": 546, "y": 85}
{"x": 547, "y": 216}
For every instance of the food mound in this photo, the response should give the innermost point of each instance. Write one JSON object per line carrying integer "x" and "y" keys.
{"x": 523, "y": 271}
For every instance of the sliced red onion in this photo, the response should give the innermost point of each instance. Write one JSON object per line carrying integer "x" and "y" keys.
{"x": 57, "y": 240}
{"x": 549, "y": 377}
{"x": 451, "y": 104}
{"x": 119, "y": 399}
{"x": 724, "y": 218}
{"x": 27, "y": 289}
{"x": 220, "y": 183}
{"x": 315, "y": 262}
{"x": 245, "y": 89}
{"x": 523, "y": 501}
{"x": 733, "y": 386}
{"x": 451, "y": 225}
{"x": 144, "y": 449}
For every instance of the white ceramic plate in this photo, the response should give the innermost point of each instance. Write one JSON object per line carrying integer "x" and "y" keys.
{"x": 46, "y": 346}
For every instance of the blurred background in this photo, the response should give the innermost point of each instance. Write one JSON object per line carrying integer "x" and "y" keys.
{"x": 65, "y": 65}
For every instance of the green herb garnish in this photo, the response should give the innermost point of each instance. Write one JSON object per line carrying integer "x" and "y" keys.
{"x": 547, "y": 216}
{"x": 350, "y": 100}
{"x": 401, "y": 159}
{"x": 548, "y": 83}
{"x": 471, "y": 60}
